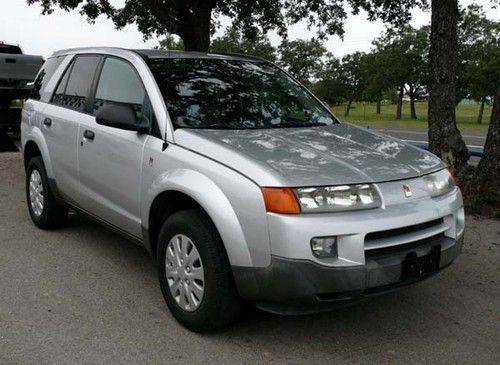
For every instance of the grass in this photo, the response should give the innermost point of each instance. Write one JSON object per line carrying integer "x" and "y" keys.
{"x": 364, "y": 114}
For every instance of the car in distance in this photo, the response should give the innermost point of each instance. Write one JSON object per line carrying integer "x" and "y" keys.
{"x": 239, "y": 182}
{"x": 17, "y": 72}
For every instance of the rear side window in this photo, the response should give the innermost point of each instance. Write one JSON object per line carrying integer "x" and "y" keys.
{"x": 74, "y": 88}
{"x": 120, "y": 84}
{"x": 8, "y": 49}
{"x": 44, "y": 76}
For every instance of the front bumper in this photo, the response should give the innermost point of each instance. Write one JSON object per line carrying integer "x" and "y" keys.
{"x": 373, "y": 250}
{"x": 292, "y": 286}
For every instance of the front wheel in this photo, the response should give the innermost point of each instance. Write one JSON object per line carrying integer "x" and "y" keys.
{"x": 195, "y": 275}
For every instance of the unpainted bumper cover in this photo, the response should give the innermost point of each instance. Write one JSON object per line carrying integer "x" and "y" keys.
{"x": 301, "y": 286}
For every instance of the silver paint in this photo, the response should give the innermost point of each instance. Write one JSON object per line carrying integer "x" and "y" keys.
{"x": 224, "y": 170}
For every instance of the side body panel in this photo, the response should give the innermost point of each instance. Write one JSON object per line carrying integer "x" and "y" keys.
{"x": 233, "y": 202}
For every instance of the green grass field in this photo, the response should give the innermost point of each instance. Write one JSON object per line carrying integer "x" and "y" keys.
{"x": 364, "y": 114}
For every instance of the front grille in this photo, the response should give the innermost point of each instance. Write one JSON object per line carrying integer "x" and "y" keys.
{"x": 403, "y": 230}
{"x": 393, "y": 250}
{"x": 403, "y": 237}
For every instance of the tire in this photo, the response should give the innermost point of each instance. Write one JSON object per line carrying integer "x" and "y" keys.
{"x": 220, "y": 306}
{"x": 50, "y": 214}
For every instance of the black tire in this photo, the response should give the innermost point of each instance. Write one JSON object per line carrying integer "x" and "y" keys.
{"x": 221, "y": 305}
{"x": 54, "y": 214}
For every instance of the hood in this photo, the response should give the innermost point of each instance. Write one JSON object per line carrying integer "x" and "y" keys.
{"x": 330, "y": 155}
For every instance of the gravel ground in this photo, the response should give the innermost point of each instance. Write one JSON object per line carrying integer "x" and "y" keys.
{"x": 85, "y": 295}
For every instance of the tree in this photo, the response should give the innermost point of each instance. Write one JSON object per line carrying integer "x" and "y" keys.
{"x": 478, "y": 55}
{"x": 193, "y": 20}
{"x": 377, "y": 82}
{"x": 402, "y": 54}
{"x": 488, "y": 177}
{"x": 329, "y": 87}
{"x": 445, "y": 139}
{"x": 303, "y": 59}
{"x": 169, "y": 42}
{"x": 234, "y": 42}
{"x": 351, "y": 76}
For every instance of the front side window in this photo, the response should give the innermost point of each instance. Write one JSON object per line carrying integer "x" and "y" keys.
{"x": 234, "y": 94}
{"x": 120, "y": 84}
{"x": 74, "y": 88}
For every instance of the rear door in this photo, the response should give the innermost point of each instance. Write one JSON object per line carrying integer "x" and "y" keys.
{"x": 68, "y": 108}
{"x": 110, "y": 159}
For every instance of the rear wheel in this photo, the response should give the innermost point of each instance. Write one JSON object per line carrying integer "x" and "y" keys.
{"x": 45, "y": 211}
{"x": 195, "y": 275}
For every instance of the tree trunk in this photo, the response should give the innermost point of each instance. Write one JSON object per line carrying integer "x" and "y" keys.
{"x": 413, "y": 112}
{"x": 399, "y": 111}
{"x": 481, "y": 110}
{"x": 412, "y": 107}
{"x": 489, "y": 165}
{"x": 379, "y": 106}
{"x": 194, "y": 25}
{"x": 445, "y": 139}
{"x": 348, "y": 108}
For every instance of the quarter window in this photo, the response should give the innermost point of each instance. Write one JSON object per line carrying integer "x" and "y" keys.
{"x": 44, "y": 76}
{"x": 73, "y": 94}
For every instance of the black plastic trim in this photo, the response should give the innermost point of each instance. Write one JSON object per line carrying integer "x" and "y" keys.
{"x": 295, "y": 285}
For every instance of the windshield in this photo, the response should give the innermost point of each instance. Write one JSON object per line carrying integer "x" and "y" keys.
{"x": 233, "y": 94}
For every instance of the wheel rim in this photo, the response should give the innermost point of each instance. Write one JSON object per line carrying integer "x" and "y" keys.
{"x": 184, "y": 272}
{"x": 36, "y": 193}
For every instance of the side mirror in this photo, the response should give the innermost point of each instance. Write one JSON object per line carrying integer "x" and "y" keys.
{"x": 121, "y": 116}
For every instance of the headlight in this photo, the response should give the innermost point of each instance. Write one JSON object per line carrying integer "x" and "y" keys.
{"x": 337, "y": 198}
{"x": 439, "y": 183}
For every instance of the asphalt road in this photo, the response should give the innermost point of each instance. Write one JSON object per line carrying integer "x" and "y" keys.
{"x": 85, "y": 295}
{"x": 475, "y": 139}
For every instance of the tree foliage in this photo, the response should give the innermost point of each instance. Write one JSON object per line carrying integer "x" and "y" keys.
{"x": 402, "y": 57}
{"x": 233, "y": 41}
{"x": 302, "y": 58}
{"x": 171, "y": 43}
{"x": 193, "y": 20}
{"x": 478, "y": 70}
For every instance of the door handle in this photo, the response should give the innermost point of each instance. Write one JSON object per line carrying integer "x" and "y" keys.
{"x": 89, "y": 135}
{"x": 47, "y": 122}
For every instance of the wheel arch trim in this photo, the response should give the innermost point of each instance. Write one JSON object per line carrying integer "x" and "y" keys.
{"x": 212, "y": 199}
{"x": 35, "y": 136}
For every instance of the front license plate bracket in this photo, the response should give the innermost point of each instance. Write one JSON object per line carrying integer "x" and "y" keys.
{"x": 415, "y": 267}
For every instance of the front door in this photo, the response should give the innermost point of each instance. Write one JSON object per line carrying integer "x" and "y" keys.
{"x": 110, "y": 159}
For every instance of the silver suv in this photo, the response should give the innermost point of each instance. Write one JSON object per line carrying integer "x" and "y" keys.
{"x": 239, "y": 182}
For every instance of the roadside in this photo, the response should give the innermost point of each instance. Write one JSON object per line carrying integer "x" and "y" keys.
{"x": 85, "y": 295}
{"x": 364, "y": 113}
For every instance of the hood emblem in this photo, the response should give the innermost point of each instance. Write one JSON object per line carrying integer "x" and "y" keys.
{"x": 407, "y": 191}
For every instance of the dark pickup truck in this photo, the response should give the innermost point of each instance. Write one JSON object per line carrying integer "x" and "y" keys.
{"x": 17, "y": 72}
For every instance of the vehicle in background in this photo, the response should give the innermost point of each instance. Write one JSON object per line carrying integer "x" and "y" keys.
{"x": 17, "y": 72}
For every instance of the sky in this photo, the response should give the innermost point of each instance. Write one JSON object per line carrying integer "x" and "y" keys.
{"x": 43, "y": 34}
